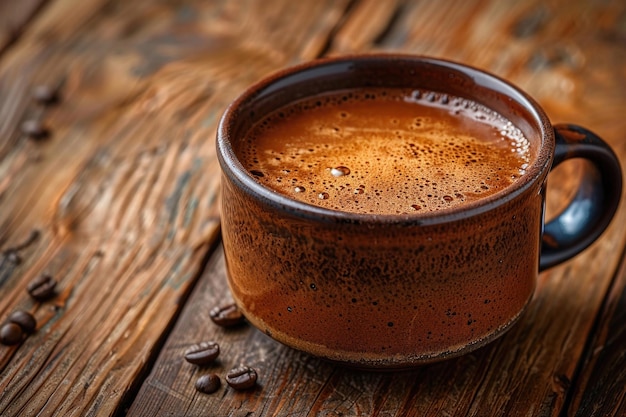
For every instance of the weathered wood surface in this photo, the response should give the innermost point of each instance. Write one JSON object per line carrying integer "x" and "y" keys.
{"x": 124, "y": 195}
{"x": 14, "y": 19}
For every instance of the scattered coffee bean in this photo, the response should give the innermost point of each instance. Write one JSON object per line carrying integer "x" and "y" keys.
{"x": 13, "y": 257}
{"x": 208, "y": 384}
{"x": 10, "y": 334}
{"x": 35, "y": 129}
{"x": 202, "y": 353}
{"x": 24, "y": 319}
{"x": 241, "y": 378}
{"x": 227, "y": 316}
{"x": 44, "y": 94}
{"x": 42, "y": 287}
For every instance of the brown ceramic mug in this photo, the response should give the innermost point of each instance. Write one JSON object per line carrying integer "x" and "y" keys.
{"x": 394, "y": 291}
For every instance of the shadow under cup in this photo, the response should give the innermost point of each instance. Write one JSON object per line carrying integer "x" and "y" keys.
{"x": 391, "y": 291}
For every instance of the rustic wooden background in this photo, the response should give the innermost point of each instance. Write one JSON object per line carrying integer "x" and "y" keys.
{"x": 123, "y": 193}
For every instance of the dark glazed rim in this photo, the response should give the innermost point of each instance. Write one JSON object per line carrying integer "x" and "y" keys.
{"x": 237, "y": 173}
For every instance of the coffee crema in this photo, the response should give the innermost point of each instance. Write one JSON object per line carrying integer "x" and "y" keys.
{"x": 385, "y": 151}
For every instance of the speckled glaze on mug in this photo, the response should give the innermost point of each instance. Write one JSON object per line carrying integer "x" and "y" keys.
{"x": 395, "y": 291}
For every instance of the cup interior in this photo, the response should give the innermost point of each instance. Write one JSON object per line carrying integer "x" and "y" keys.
{"x": 386, "y": 71}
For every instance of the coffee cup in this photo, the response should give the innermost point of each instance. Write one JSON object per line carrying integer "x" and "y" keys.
{"x": 386, "y": 211}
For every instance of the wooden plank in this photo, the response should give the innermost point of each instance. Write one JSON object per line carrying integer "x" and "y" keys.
{"x": 124, "y": 190}
{"x": 122, "y": 196}
{"x": 600, "y": 387}
{"x": 367, "y": 21}
{"x": 14, "y": 18}
{"x": 571, "y": 67}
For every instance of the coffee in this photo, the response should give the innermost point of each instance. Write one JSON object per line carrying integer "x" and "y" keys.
{"x": 208, "y": 384}
{"x": 11, "y": 334}
{"x": 227, "y": 315}
{"x": 24, "y": 319}
{"x": 203, "y": 353}
{"x": 385, "y": 151}
{"x": 42, "y": 287}
{"x": 242, "y": 377}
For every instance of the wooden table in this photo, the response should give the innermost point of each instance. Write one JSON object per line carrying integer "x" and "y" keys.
{"x": 120, "y": 199}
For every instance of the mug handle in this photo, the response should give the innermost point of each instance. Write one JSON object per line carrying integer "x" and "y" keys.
{"x": 596, "y": 199}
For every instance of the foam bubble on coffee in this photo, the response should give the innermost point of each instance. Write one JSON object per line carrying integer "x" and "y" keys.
{"x": 385, "y": 151}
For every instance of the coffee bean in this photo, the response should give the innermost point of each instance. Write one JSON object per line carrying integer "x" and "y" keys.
{"x": 24, "y": 319}
{"x": 42, "y": 287}
{"x": 208, "y": 383}
{"x": 35, "y": 129}
{"x": 10, "y": 334}
{"x": 241, "y": 378}
{"x": 13, "y": 257}
{"x": 226, "y": 316}
{"x": 202, "y": 353}
{"x": 44, "y": 94}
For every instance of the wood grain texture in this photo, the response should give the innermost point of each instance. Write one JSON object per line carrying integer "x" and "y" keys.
{"x": 570, "y": 66}
{"x": 123, "y": 195}
{"x": 124, "y": 190}
{"x": 600, "y": 387}
{"x": 14, "y": 19}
